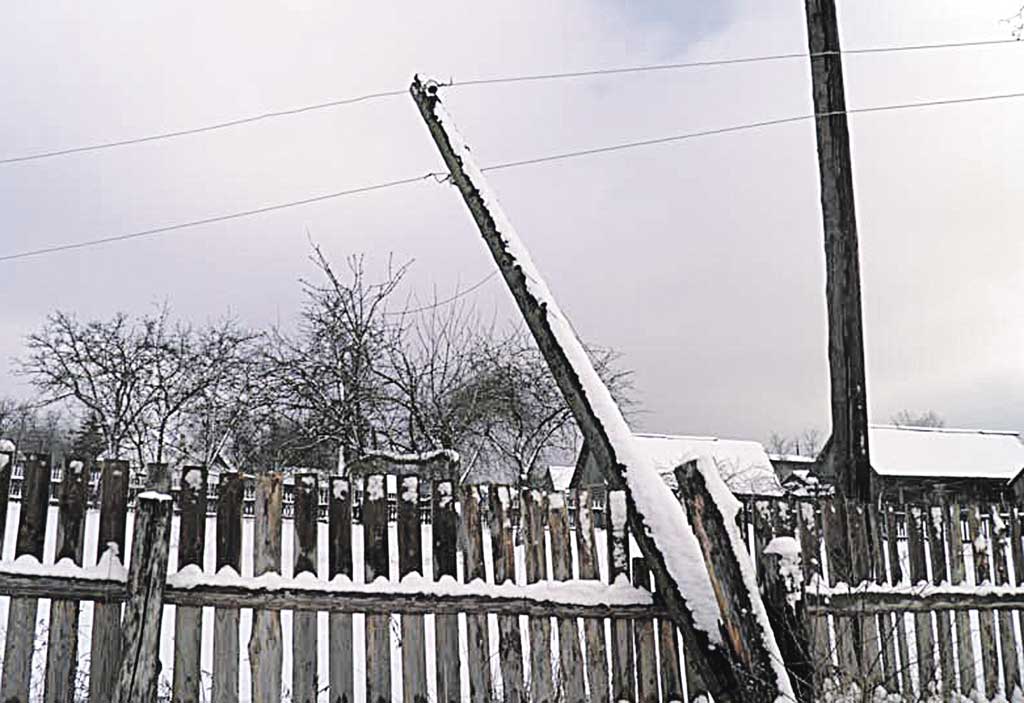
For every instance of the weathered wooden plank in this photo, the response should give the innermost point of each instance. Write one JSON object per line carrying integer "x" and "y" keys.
{"x": 840, "y": 569}
{"x": 643, "y": 630}
{"x": 1007, "y": 641}
{"x": 410, "y": 561}
{"x": 188, "y": 621}
{"x": 668, "y": 659}
{"x": 622, "y": 677}
{"x": 811, "y": 564}
{"x": 916, "y": 532}
{"x": 339, "y": 562}
{"x": 896, "y": 576}
{"x": 934, "y": 518}
{"x": 510, "y": 643}
{"x": 147, "y": 574}
{"x": 869, "y": 652}
{"x": 265, "y": 647}
{"x": 534, "y": 507}
{"x": 886, "y": 631}
{"x": 6, "y": 466}
{"x": 477, "y": 642}
{"x": 62, "y": 644}
{"x": 376, "y": 562}
{"x": 105, "y": 652}
{"x": 986, "y": 623}
{"x": 21, "y": 616}
{"x": 229, "y": 557}
{"x": 958, "y": 575}
{"x": 444, "y": 529}
{"x": 304, "y": 627}
{"x": 593, "y": 628}
{"x": 570, "y": 658}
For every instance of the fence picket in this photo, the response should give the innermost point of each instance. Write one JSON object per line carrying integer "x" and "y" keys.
{"x": 188, "y": 621}
{"x": 986, "y": 628}
{"x": 21, "y": 615}
{"x": 570, "y": 658}
{"x": 304, "y": 623}
{"x": 593, "y": 628}
{"x": 623, "y": 681}
{"x": 847, "y": 632}
{"x": 410, "y": 561}
{"x": 62, "y": 645}
{"x": 922, "y": 621}
{"x": 444, "y": 528}
{"x": 811, "y": 565}
{"x": 958, "y": 575}
{"x": 886, "y": 631}
{"x": 897, "y": 576}
{"x": 477, "y": 642}
{"x": 510, "y": 643}
{"x": 940, "y": 574}
{"x": 643, "y": 630}
{"x": 1007, "y": 642}
{"x": 339, "y": 563}
{"x": 376, "y": 562}
{"x": 541, "y": 674}
{"x": 225, "y": 620}
{"x": 265, "y": 646}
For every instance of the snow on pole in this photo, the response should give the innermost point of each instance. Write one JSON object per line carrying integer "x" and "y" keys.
{"x": 657, "y": 519}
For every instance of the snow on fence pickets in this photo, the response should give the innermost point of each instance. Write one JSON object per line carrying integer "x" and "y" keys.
{"x": 501, "y": 596}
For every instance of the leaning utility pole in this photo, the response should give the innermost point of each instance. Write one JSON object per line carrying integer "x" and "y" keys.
{"x": 696, "y": 554}
{"x": 848, "y": 456}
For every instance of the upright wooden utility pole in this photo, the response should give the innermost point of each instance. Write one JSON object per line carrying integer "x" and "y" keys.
{"x": 848, "y": 455}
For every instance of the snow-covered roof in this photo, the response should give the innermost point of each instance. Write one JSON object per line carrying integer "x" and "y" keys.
{"x": 743, "y": 464}
{"x": 944, "y": 452}
{"x": 561, "y": 476}
{"x": 792, "y": 458}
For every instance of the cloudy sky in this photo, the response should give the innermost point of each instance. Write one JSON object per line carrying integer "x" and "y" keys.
{"x": 701, "y": 261}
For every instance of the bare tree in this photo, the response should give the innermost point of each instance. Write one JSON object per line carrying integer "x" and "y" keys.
{"x": 908, "y": 418}
{"x": 779, "y": 443}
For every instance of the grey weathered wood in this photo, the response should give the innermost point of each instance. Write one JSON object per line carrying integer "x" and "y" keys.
{"x": 376, "y": 562}
{"x": 62, "y": 644}
{"x": 105, "y": 652}
{"x": 982, "y": 575}
{"x": 848, "y": 448}
{"x": 886, "y": 631}
{"x": 896, "y": 577}
{"x": 622, "y": 676}
{"x": 188, "y": 621}
{"x": 477, "y": 640}
{"x": 21, "y": 616}
{"x": 870, "y": 654}
{"x": 570, "y": 658}
{"x": 811, "y": 564}
{"x": 6, "y": 466}
{"x": 304, "y": 626}
{"x": 593, "y": 628}
{"x": 533, "y": 509}
{"x": 147, "y": 574}
{"x": 922, "y": 620}
{"x": 410, "y": 561}
{"x": 265, "y": 646}
{"x": 840, "y": 569}
{"x": 934, "y": 518}
{"x": 958, "y": 575}
{"x": 606, "y": 433}
{"x": 226, "y": 620}
{"x": 1007, "y": 641}
{"x": 339, "y": 562}
{"x": 510, "y": 643}
{"x": 643, "y": 630}
{"x": 444, "y": 527}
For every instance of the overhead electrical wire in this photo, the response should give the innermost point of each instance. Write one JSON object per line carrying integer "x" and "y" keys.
{"x": 504, "y": 165}
{"x": 498, "y": 80}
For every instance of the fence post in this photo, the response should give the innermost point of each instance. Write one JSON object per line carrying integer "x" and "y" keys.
{"x": 147, "y": 575}
{"x": 782, "y": 591}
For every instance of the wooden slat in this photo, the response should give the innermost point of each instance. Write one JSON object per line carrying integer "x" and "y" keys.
{"x": 62, "y": 645}
{"x": 593, "y": 628}
{"x": 541, "y": 674}
{"x": 304, "y": 627}
{"x": 886, "y": 630}
{"x": 376, "y": 563}
{"x": 862, "y": 572}
{"x": 21, "y": 616}
{"x": 622, "y": 677}
{"x": 339, "y": 562}
{"x": 811, "y": 565}
{"x": 188, "y": 621}
{"x": 570, "y": 658}
{"x": 410, "y": 561}
{"x": 934, "y": 518}
{"x": 986, "y": 627}
{"x": 958, "y": 575}
{"x": 1007, "y": 641}
{"x": 643, "y": 629}
{"x": 668, "y": 660}
{"x": 444, "y": 529}
{"x": 6, "y": 466}
{"x": 840, "y": 569}
{"x": 510, "y": 643}
{"x": 896, "y": 577}
{"x": 265, "y": 646}
{"x": 105, "y": 652}
{"x": 922, "y": 620}
{"x": 477, "y": 642}
{"x": 225, "y": 620}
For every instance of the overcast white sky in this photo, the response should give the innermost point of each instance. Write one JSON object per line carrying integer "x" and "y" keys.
{"x": 700, "y": 261}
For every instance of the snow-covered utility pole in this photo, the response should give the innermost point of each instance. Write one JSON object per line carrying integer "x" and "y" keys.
{"x": 711, "y": 593}
{"x": 847, "y": 455}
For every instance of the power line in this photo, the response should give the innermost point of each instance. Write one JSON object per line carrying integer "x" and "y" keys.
{"x": 211, "y": 220}
{"x": 506, "y": 165}
{"x": 450, "y": 299}
{"x": 498, "y": 80}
